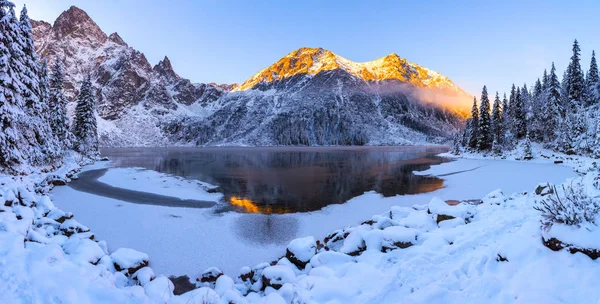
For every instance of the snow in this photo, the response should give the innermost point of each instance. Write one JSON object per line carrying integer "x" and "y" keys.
{"x": 159, "y": 183}
{"x": 160, "y": 288}
{"x": 497, "y": 254}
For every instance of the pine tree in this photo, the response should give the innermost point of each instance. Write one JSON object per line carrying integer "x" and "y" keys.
{"x": 456, "y": 145}
{"x": 576, "y": 82}
{"x": 474, "y": 127}
{"x": 25, "y": 135}
{"x": 85, "y": 128}
{"x": 510, "y": 114}
{"x": 29, "y": 64}
{"x": 591, "y": 82}
{"x": 520, "y": 119}
{"x": 59, "y": 121}
{"x": 484, "y": 134}
{"x": 497, "y": 124}
{"x": 527, "y": 152}
{"x": 536, "y": 125}
{"x": 545, "y": 80}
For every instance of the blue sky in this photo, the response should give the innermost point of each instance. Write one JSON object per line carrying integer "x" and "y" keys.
{"x": 472, "y": 42}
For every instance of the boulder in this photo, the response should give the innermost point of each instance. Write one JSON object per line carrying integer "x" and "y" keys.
{"x": 276, "y": 276}
{"x": 300, "y": 251}
{"x": 129, "y": 260}
{"x": 209, "y": 277}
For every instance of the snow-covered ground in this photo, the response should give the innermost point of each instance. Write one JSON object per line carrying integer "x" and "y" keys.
{"x": 415, "y": 249}
{"x": 188, "y": 241}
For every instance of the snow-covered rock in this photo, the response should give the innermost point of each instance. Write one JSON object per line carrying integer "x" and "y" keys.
{"x": 301, "y": 250}
{"x": 129, "y": 260}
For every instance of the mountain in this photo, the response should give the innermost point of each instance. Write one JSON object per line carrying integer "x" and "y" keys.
{"x": 309, "y": 97}
{"x": 133, "y": 97}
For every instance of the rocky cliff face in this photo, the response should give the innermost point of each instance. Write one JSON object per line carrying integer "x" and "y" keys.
{"x": 309, "y": 97}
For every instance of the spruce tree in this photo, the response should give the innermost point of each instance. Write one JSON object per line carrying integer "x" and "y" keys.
{"x": 552, "y": 112}
{"x": 519, "y": 119}
{"x": 591, "y": 82}
{"x": 576, "y": 82}
{"x": 511, "y": 105}
{"x": 474, "y": 127}
{"x": 536, "y": 125}
{"x": 85, "y": 128}
{"x": 497, "y": 124}
{"x": 545, "y": 80}
{"x": 484, "y": 134}
{"x": 59, "y": 121}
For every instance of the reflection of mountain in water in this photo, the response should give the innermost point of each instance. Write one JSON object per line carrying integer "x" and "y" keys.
{"x": 280, "y": 180}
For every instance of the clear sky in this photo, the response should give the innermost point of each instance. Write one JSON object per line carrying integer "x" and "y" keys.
{"x": 472, "y": 42}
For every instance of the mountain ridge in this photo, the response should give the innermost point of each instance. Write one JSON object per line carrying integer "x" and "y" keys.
{"x": 332, "y": 100}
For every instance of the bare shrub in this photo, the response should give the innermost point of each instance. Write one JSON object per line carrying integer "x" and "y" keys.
{"x": 571, "y": 206}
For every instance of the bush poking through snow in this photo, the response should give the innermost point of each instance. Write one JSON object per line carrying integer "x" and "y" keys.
{"x": 571, "y": 207}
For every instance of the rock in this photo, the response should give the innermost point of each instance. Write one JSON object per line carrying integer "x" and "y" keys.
{"x": 71, "y": 226}
{"x": 144, "y": 275}
{"x": 276, "y": 276}
{"x": 129, "y": 260}
{"x": 209, "y": 277}
{"x": 59, "y": 215}
{"x": 544, "y": 189}
{"x": 182, "y": 284}
{"x": 246, "y": 274}
{"x": 59, "y": 182}
{"x": 300, "y": 251}
{"x": 556, "y": 245}
{"x": 443, "y": 217}
{"x": 335, "y": 240}
{"x": 558, "y": 162}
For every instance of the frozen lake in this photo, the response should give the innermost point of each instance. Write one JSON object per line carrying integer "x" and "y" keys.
{"x": 291, "y": 179}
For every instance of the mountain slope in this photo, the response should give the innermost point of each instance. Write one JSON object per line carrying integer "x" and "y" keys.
{"x": 309, "y": 97}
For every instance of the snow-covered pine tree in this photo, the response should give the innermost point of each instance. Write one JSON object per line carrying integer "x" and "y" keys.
{"x": 474, "y": 128}
{"x": 551, "y": 111}
{"x": 466, "y": 133}
{"x": 596, "y": 143}
{"x": 497, "y": 124}
{"x": 456, "y": 145}
{"x": 508, "y": 137}
{"x": 520, "y": 118}
{"x": 510, "y": 112}
{"x": 29, "y": 64}
{"x": 545, "y": 80}
{"x": 535, "y": 123}
{"x": 25, "y": 136}
{"x": 575, "y": 79}
{"x": 85, "y": 126}
{"x": 527, "y": 152}
{"x": 484, "y": 134}
{"x": 591, "y": 82}
{"x": 59, "y": 121}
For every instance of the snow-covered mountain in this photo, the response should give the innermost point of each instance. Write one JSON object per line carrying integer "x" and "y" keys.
{"x": 309, "y": 97}
{"x": 133, "y": 97}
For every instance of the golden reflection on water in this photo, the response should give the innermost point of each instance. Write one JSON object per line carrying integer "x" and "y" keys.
{"x": 250, "y": 207}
